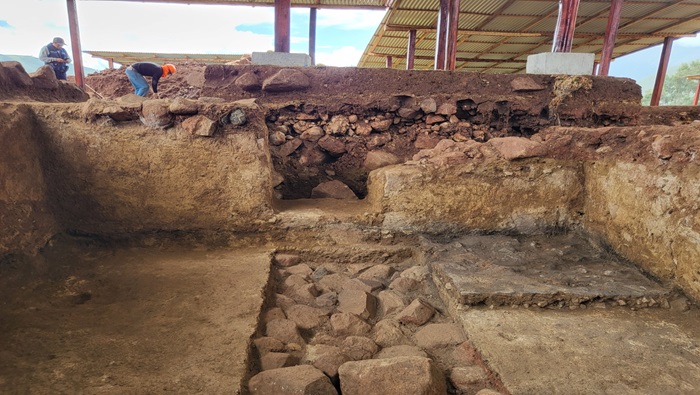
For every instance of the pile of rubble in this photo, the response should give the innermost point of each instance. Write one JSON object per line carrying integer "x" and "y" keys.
{"x": 362, "y": 328}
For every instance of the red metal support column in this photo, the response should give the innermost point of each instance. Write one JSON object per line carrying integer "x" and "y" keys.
{"x": 566, "y": 23}
{"x": 110, "y": 62}
{"x": 411, "y": 50}
{"x": 451, "y": 56}
{"x": 610, "y": 36}
{"x": 389, "y": 62}
{"x": 661, "y": 72}
{"x": 282, "y": 25}
{"x": 76, "y": 47}
{"x": 312, "y": 35}
{"x": 697, "y": 94}
{"x": 441, "y": 34}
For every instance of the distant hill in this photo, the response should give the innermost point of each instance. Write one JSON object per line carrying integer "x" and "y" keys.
{"x": 31, "y": 63}
{"x": 642, "y": 66}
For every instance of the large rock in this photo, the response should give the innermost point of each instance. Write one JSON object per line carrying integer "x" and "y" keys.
{"x": 517, "y": 147}
{"x": 118, "y": 111}
{"x": 398, "y": 375}
{"x": 199, "y": 125}
{"x": 286, "y": 80}
{"x": 295, "y": 380}
{"x": 357, "y": 302}
{"x": 183, "y": 106}
{"x": 156, "y": 114}
{"x": 377, "y": 159}
{"x": 434, "y": 336}
{"x": 44, "y": 78}
{"x": 333, "y": 189}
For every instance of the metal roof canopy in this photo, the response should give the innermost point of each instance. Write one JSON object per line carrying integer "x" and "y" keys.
{"x": 132, "y": 57}
{"x": 348, "y": 4}
{"x": 498, "y": 35}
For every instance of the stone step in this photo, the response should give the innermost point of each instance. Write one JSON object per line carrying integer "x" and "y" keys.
{"x": 562, "y": 271}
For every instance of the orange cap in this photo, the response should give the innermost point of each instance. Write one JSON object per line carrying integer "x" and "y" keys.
{"x": 168, "y": 69}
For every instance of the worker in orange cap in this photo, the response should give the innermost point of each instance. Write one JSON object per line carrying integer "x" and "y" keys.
{"x": 138, "y": 71}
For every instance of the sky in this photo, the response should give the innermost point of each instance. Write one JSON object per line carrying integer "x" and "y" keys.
{"x": 341, "y": 35}
{"x": 28, "y": 25}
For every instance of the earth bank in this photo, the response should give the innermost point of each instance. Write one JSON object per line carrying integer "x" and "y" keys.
{"x": 229, "y": 157}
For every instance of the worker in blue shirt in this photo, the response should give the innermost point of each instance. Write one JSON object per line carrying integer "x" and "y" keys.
{"x": 138, "y": 71}
{"x": 55, "y": 56}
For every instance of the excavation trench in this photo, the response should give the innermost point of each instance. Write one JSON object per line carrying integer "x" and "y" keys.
{"x": 250, "y": 232}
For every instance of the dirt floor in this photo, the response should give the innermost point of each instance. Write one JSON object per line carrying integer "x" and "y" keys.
{"x": 85, "y": 318}
{"x": 159, "y": 316}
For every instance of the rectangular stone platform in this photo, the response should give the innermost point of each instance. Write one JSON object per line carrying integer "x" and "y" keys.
{"x": 558, "y": 271}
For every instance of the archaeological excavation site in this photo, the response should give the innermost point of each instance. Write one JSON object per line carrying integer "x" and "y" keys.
{"x": 320, "y": 230}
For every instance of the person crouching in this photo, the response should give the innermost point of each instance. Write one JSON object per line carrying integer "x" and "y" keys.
{"x": 138, "y": 71}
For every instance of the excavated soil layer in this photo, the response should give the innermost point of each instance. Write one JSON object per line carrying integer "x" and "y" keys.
{"x": 490, "y": 223}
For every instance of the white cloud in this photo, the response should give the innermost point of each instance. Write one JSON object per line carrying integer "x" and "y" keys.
{"x": 350, "y": 20}
{"x": 341, "y": 57}
{"x": 688, "y": 41}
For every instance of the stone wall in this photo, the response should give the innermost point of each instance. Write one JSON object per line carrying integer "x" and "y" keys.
{"x": 650, "y": 214}
{"x": 26, "y": 222}
{"x": 63, "y": 174}
{"x": 113, "y": 180}
{"x": 530, "y": 196}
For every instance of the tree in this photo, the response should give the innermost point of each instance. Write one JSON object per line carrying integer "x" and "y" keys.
{"x": 678, "y": 90}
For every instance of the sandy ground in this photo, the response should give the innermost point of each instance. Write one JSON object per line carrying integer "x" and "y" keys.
{"x": 132, "y": 320}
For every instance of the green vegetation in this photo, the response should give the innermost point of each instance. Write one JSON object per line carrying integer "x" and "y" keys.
{"x": 678, "y": 90}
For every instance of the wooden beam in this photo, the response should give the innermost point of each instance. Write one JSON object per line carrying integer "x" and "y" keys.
{"x": 661, "y": 72}
{"x": 389, "y": 62}
{"x": 697, "y": 94}
{"x": 76, "y": 47}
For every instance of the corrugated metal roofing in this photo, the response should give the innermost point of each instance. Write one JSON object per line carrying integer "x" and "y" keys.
{"x": 361, "y": 4}
{"x": 505, "y": 30}
{"x": 509, "y": 30}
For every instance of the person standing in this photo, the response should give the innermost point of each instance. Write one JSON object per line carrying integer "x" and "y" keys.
{"x": 138, "y": 71}
{"x": 56, "y": 56}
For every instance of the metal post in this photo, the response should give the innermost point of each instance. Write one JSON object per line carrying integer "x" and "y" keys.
{"x": 661, "y": 72}
{"x": 282, "y": 25}
{"x": 451, "y": 58}
{"x": 389, "y": 62}
{"x": 610, "y": 36}
{"x": 76, "y": 48}
{"x": 441, "y": 37}
{"x": 566, "y": 23}
{"x": 312, "y": 35}
{"x": 411, "y": 50}
{"x": 697, "y": 94}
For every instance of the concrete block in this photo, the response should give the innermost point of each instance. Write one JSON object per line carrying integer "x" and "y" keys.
{"x": 560, "y": 63}
{"x": 282, "y": 59}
